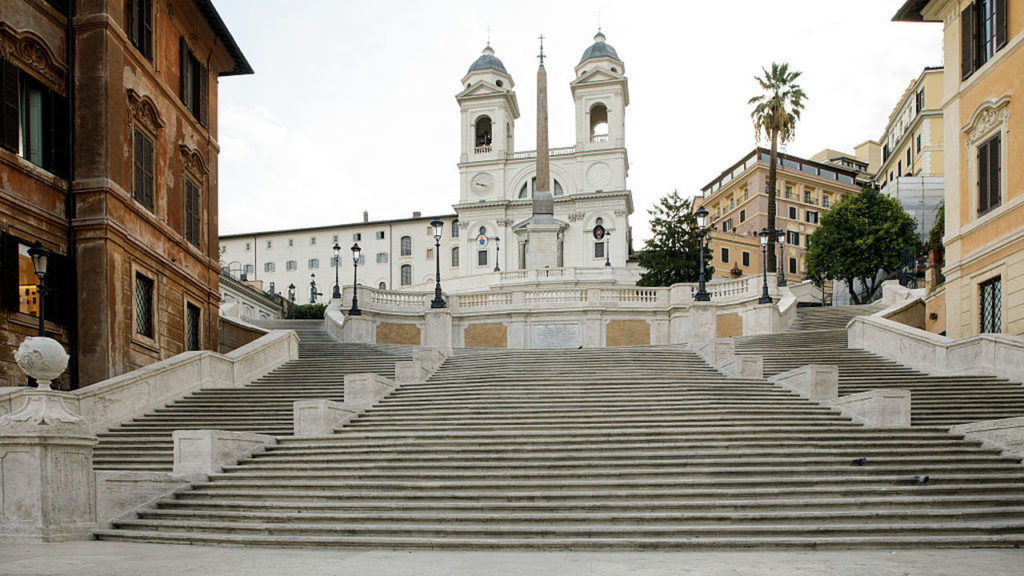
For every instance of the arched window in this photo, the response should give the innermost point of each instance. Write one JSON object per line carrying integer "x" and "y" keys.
{"x": 406, "y": 245}
{"x": 406, "y": 274}
{"x": 528, "y": 193}
{"x": 382, "y": 285}
{"x": 482, "y": 134}
{"x": 599, "y": 123}
{"x": 455, "y": 257}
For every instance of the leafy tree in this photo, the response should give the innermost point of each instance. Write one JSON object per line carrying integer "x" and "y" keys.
{"x": 860, "y": 236}
{"x": 938, "y": 251}
{"x": 671, "y": 254}
{"x": 307, "y": 312}
{"x": 775, "y": 113}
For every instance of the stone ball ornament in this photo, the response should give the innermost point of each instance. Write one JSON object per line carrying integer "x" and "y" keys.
{"x": 43, "y": 359}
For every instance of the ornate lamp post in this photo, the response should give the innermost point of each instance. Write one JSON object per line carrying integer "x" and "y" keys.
{"x": 291, "y": 292}
{"x": 41, "y": 264}
{"x": 438, "y": 301}
{"x": 702, "y": 294}
{"x": 765, "y": 298}
{"x": 781, "y": 237}
{"x": 497, "y": 253}
{"x": 607, "y": 249}
{"x": 354, "y": 310}
{"x": 337, "y": 265}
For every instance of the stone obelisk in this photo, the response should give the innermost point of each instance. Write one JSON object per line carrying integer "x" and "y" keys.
{"x": 543, "y": 201}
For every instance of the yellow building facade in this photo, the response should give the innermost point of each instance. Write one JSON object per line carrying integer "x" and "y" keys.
{"x": 912, "y": 144}
{"x": 737, "y": 201}
{"x": 983, "y": 108}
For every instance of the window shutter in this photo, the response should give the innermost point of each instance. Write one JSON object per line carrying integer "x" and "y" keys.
{"x": 994, "y": 158}
{"x": 983, "y": 168}
{"x": 204, "y": 94}
{"x": 131, "y": 21}
{"x": 148, "y": 162}
{"x": 183, "y": 65}
{"x": 10, "y": 297}
{"x": 147, "y": 28}
{"x": 967, "y": 42}
{"x": 140, "y": 171}
{"x": 9, "y": 106}
{"x": 1001, "y": 17}
{"x": 59, "y": 136}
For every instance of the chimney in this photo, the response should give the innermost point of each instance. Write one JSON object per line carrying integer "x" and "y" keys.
{"x": 417, "y": 214}
{"x": 366, "y": 216}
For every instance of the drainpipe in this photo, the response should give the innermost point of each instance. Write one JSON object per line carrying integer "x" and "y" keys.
{"x": 70, "y": 201}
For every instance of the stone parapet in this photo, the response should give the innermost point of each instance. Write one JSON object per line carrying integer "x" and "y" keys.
{"x": 200, "y": 453}
{"x": 365, "y": 389}
{"x": 320, "y": 417}
{"x": 877, "y": 408}
{"x": 1006, "y": 434}
{"x": 816, "y": 382}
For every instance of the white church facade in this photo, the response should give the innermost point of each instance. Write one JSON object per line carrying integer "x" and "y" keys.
{"x": 484, "y": 242}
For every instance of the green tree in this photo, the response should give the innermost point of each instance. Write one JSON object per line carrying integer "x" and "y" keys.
{"x": 935, "y": 246}
{"x": 775, "y": 113}
{"x": 859, "y": 237}
{"x": 671, "y": 254}
{"x": 307, "y": 311}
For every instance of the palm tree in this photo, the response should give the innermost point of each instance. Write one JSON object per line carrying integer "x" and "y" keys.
{"x": 775, "y": 114}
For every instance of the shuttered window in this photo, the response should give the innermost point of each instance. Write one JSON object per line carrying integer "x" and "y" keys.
{"x": 33, "y": 120}
{"x": 139, "y": 23}
{"x": 983, "y": 32}
{"x": 192, "y": 213}
{"x": 195, "y": 84}
{"x": 989, "y": 172}
{"x": 144, "y": 160}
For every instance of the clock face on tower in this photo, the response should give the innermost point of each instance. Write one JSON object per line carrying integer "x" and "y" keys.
{"x": 482, "y": 183}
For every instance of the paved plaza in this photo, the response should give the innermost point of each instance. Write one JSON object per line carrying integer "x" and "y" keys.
{"x": 111, "y": 558}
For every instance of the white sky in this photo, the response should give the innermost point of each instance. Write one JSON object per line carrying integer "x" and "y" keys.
{"x": 352, "y": 106}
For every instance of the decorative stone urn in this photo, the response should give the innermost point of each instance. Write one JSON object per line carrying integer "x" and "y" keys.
{"x": 43, "y": 359}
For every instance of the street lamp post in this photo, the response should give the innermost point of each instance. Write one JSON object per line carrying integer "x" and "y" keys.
{"x": 765, "y": 298}
{"x": 438, "y": 301}
{"x": 607, "y": 249}
{"x": 702, "y": 294}
{"x": 337, "y": 265}
{"x": 41, "y": 264}
{"x": 781, "y": 236}
{"x": 291, "y": 292}
{"x": 497, "y": 253}
{"x": 354, "y": 310}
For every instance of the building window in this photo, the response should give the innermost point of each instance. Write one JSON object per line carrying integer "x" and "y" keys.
{"x": 380, "y": 234}
{"x": 268, "y": 266}
{"x": 989, "y": 168}
{"x": 406, "y": 273}
{"x": 249, "y": 269}
{"x": 193, "y": 213}
{"x": 248, "y": 246}
{"x": 899, "y": 168}
{"x": 455, "y": 228}
{"x": 792, "y": 213}
{"x": 743, "y": 216}
{"x": 144, "y": 321}
{"x": 918, "y": 143}
{"x": 789, "y": 191}
{"x": 291, "y": 265}
{"x": 992, "y": 305}
{"x": 269, "y": 244}
{"x": 406, "y": 246}
{"x": 139, "y": 21}
{"x": 825, "y": 199}
{"x": 291, "y": 242}
{"x": 908, "y": 160}
{"x": 811, "y": 216}
{"x": 33, "y": 120}
{"x": 193, "y": 334}
{"x": 481, "y": 258}
{"x": 382, "y": 285}
{"x": 807, "y": 196}
{"x": 382, "y": 257}
{"x": 746, "y": 258}
{"x": 919, "y": 101}
{"x": 982, "y": 33}
{"x": 727, "y": 225}
{"x": 792, "y": 265}
{"x": 144, "y": 160}
{"x": 792, "y": 238}
{"x": 334, "y": 238}
{"x": 430, "y": 253}
{"x": 455, "y": 257}
{"x": 357, "y": 237}
{"x": 599, "y": 248}
{"x": 314, "y": 263}
{"x": 195, "y": 84}
{"x": 725, "y": 255}
{"x": 312, "y": 240}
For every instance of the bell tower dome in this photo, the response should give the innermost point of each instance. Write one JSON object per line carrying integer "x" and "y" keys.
{"x": 489, "y": 109}
{"x": 601, "y": 94}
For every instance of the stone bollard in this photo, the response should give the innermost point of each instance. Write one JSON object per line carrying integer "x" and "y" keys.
{"x": 319, "y": 417}
{"x": 365, "y": 389}
{"x": 47, "y": 485}
{"x": 203, "y": 452}
{"x": 407, "y": 372}
{"x": 816, "y": 382}
{"x": 877, "y": 408}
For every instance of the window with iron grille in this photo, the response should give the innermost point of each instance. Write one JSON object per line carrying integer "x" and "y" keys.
{"x": 992, "y": 305}
{"x": 481, "y": 258}
{"x": 406, "y": 246}
{"x": 145, "y": 158}
{"x": 144, "y": 305}
{"x": 406, "y": 273}
{"x": 193, "y": 340}
{"x": 599, "y": 250}
{"x": 192, "y": 213}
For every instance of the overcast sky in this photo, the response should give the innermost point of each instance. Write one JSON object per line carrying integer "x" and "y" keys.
{"x": 352, "y": 106}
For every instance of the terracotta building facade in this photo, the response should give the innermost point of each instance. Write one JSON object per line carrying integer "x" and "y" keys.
{"x": 109, "y": 159}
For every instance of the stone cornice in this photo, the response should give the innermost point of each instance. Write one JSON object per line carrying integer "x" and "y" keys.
{"x": 31, "y": 51}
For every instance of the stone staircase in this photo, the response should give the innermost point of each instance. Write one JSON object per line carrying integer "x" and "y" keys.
{"x": 622, "y": 448}
{"x": 935, "y": 400}
{"x": 264, "y": 406}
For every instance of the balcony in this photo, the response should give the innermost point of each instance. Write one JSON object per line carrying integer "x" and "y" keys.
{"x": 482, "y": 149}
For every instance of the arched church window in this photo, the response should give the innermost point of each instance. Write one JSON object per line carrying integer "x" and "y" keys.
{"x": 455, "y": 257}
{"x": 406, "y": 246}
{"x": 598, "y": 123}
{"x": 483, "y": 134}
{"x": 406, "y": 273}
{"x": 528, "y": 193}
{"x": 382, "y": 285}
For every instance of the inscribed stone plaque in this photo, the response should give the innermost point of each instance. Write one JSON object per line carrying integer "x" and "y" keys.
{"x": 556, "y": 336}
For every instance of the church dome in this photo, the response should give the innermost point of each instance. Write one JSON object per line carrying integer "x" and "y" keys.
{"x": 488, "y": 61}
{"x": 599, "y": 49}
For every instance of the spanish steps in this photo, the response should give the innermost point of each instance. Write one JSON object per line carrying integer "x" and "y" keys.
{"x": 643, "y": 447}
{"x": 819, "y": 337}
{"x": 264, "y": 406}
